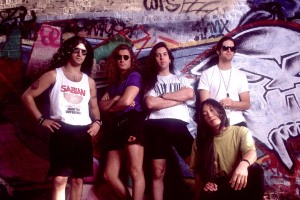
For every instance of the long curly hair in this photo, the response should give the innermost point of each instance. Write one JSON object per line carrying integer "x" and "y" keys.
{"x": 204, "y": 140}
{"x": 113, "y": 72}
{"x": 151, "y": 71}
{"x": 61, "y": 57}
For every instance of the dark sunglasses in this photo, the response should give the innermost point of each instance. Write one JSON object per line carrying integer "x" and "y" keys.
{"x": 77, "y": 50}
{"x": 119, "y": 57}
{"x": 225, "y": 48}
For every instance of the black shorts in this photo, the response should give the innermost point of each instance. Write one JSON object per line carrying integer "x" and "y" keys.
{"x": 163, "y": 134}
{"x": 71, "y": 152}
{"x": 118, "y": 129}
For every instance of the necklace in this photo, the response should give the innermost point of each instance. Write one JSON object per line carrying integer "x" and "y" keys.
{"x": 75, "y": 78}
{"x": 226, "y": 86}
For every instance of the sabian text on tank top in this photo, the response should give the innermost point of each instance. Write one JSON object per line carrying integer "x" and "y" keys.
{"x": 73, "y": 90}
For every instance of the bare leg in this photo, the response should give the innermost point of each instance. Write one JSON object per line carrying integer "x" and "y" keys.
{"x": 112, "y": 171}
{"x": 59, "y": 186}
{"x": 136, "y": 157}
{"x": 159, "y": 170}
{"x": 76, "y": 188}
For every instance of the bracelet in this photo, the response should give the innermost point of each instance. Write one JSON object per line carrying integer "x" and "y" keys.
{"x": 98, "y": 121}
{"x": 246, "y": 161}
{"x": 41, "y": 120}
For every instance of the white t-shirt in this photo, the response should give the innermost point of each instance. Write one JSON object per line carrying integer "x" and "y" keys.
{"x": 220, "y": 82}
{"x": 167, "y": 84}
{"x": 69, "y": 101}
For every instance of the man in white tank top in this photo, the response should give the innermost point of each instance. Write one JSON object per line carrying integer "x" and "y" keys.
{"x": 73, "y": 99}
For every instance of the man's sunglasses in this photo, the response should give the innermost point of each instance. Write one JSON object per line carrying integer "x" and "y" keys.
{"x": 119, "y": 57}
{"x": 77, "y": 50}
{"x": 225, "y": 48}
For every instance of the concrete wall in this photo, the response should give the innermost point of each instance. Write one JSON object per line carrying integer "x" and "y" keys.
{"x": 267, "y": 32}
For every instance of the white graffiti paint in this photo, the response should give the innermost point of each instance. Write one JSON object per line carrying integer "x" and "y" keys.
{"x": 271, "y": 63}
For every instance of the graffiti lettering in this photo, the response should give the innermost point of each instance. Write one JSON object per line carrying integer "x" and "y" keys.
{"x": 153, "y": 5}
{"x": 105, "y": 27}
{"x": 15, "y": 17}
{"x": 195, "y": 6}
{"x": 210, "y": 29}
{"x": 158, "y": 4}
{"x": 50, "y": 36}
{"x": 13, "y": 14}
{"x": 199, "y": 7}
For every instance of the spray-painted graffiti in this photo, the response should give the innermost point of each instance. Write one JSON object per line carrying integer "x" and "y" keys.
{"x": 15, "y": 18}
{"x": 210, "y": 29}
{"x": 276, "y": 176}
{"x": 159, "y": 5}
{"x": 274, "y": 80}
{"x": 105, "y": 27}
{"x": 275, "y": 112}
{"x": 270, "y": 61}
{"x": 194, "y": 6}
{"x": 45, "y": 46}
{"x": 284, "y": 9}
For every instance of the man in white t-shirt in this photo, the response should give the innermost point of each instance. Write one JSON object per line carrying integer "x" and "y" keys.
{"x": 226, "y": 84}
{"x": 166, "y": 126}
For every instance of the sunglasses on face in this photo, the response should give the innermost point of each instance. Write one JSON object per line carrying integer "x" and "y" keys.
{"x": 119, "y": 57}
{"x": 77, "y": 50}
{"x": 225, "y": 48}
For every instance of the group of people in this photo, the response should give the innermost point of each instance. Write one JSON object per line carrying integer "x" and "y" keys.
{"x": 147, "y": 112}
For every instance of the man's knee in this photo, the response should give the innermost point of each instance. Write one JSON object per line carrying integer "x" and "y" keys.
{"x": 77, "y": 181}
{"x": 107, "y": 177}
{"x": 159, "y": 172}
{"x": 60, "y": 181}
{"x": 136, "y": 172}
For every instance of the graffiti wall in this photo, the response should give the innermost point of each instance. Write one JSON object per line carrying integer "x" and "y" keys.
{"x": 268, "y": 51}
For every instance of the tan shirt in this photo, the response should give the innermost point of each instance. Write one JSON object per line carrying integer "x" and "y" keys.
{"x": 230, "y": 146}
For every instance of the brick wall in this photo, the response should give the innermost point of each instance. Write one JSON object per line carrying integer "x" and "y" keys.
{"x": 268, "y": 51}
{"x": 60, "y": 7}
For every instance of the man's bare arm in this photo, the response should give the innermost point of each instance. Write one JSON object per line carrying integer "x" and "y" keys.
{"x": 93, "y": 104}
{"x": 204, "y": 94}
{"x": 36, "y": 89}
{"x": 126, "y": 99}
{"x": 182, "y": 95}
{"x": 106, "y": 103}
{"x": 157, "y": 103}
{"x": 241, "y": 105}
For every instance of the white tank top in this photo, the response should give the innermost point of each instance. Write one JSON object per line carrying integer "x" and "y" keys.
{"x": 69, "y": 101}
